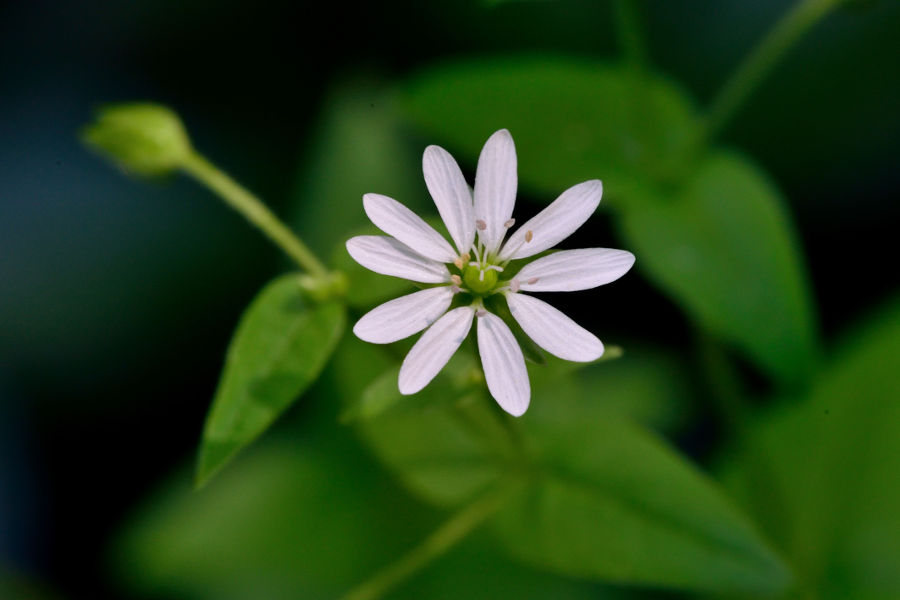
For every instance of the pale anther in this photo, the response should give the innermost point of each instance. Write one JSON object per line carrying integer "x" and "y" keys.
{"x": 514, "y": 285}
{"x": 529, "y": 235}
{"x": 455, "y": 289}
{"x": 509, "y": 223}
{"x": 480, "y": 224}
{"x": 456, "y": 279}
{"x": 480, "y": 312}
{"x": 458, "y": 261}
{"x": 532, "y": 281}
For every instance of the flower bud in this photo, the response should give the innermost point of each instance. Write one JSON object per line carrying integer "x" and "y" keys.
{"x": 145, "y": 139}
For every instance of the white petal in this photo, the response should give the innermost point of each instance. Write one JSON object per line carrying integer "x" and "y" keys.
{"x": 556, "y": 222}
{"x": 571, "y": 270}
{"x": 387, "y": 256}
{"x": 451, "y": 195}
{"x": 434, "y": 349}
{"x": 395, "y": 219}
{"x": 504, "y": 365}
{"x": 553, "y": 331}
{"x": 404, "y": 316}
{"x": 495, "y": 187}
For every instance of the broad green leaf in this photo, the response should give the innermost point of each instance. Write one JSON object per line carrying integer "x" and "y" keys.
{"x": 822, "y": 475}
{"x": 645, "y": 384}
{"x": 295, "y": 519}
{"x": 606, "y": 501}
{"x": 614, "y": 503}
{"x": 281, "y": 344}
{"x": 358, "y": 148}
{"x": 445, "y": 444}
{"x": 572, "y": 119}
{"x": 724, "y": 248}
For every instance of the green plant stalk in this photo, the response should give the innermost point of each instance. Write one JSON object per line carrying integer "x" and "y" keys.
{"x": 631, "y": 38}
{"x": 440, "y": 541}
{"x": 253, "y": 209}
{"x": 804, "y": 15}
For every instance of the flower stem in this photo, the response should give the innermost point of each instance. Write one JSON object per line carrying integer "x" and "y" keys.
{"x": 762, "y": 59}
{"x": 631, "y": 39}
{"x": 254, "y": 210}
{"x": 442, "y": 539}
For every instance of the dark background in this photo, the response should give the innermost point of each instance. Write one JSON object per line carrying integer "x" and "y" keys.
{"x": 117, "y": 298}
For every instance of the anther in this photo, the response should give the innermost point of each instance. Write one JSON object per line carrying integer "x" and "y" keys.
{"x": 532, "y": 281}
{"x": 455, "y": 289}
{"x": 480, "y": 312}
{"x": 514, "y": 285}
{"x": 480, "y": 224}
{"x": 509, "y": 223}
{"x": 529, "y": 235}
{"x": 456, "y": 279}
{"x": 459, "y": 262}
{"x": 465, "y": 257}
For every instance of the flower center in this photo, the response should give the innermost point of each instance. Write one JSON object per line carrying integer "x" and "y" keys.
{"x": 479, "y": 281}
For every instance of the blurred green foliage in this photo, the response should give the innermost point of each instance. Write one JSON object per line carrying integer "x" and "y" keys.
{"x": 594, "y": 494}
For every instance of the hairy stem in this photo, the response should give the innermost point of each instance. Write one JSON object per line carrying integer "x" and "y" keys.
{"x": 254, "y": 210}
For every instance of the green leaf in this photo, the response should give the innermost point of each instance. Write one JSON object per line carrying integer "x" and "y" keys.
{"x": 723, "y": 247}
{"x": 444, "y": 444}
{"x": 281, "y": 345}
{"x": 293, "y": 519}
{"x": 607, "y": 501}
{"x": 614, "y": 503}
{"x": 572, "y": 120}
{"x": 821, "y": 474}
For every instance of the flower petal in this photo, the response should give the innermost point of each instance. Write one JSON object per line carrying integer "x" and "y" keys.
{"x": 387, "y": 256}
{"x": 495, "y": 187}
{"x": 504, "y": 365}
{"x": 451, "y": 195}
{"x": 404, "y": 316}
{"x": 434, "y": 349}
{"x": 395, "y": 219}
{"x": 571, "y": 270}
{"x": 556, "y": 222}
{"x": 553, "y": 331}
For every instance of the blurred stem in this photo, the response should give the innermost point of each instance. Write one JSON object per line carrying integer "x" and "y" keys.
{"x": 440, "y": 541}
{"x": 725, "y": 388}
{"x": 762, "y": 59}
{"x": 254, "y": 210}
{"x": 630, "y": 35}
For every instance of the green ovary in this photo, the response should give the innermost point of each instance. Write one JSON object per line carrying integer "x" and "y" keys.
{"x": 472, "y": 279}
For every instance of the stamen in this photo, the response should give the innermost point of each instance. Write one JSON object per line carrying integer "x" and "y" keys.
{"x": 532, "y": 281}
{"x": 455, "y": 289}
{"x": 509, "y": 223}
{"x": 480, "y": 225}
{"x": 480, "y": 312}
{"x": 529, "y": 235}
{"x": 514, "y": 285}
{"x": 458, "y": 261}
{"x": 456, "y": 279}
{"x": 497, "y": 268}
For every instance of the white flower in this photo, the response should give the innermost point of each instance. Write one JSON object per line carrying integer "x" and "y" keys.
{"x": 471, "y": 275}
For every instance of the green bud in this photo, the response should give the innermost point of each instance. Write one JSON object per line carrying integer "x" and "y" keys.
{"x": 145, "y": 139}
